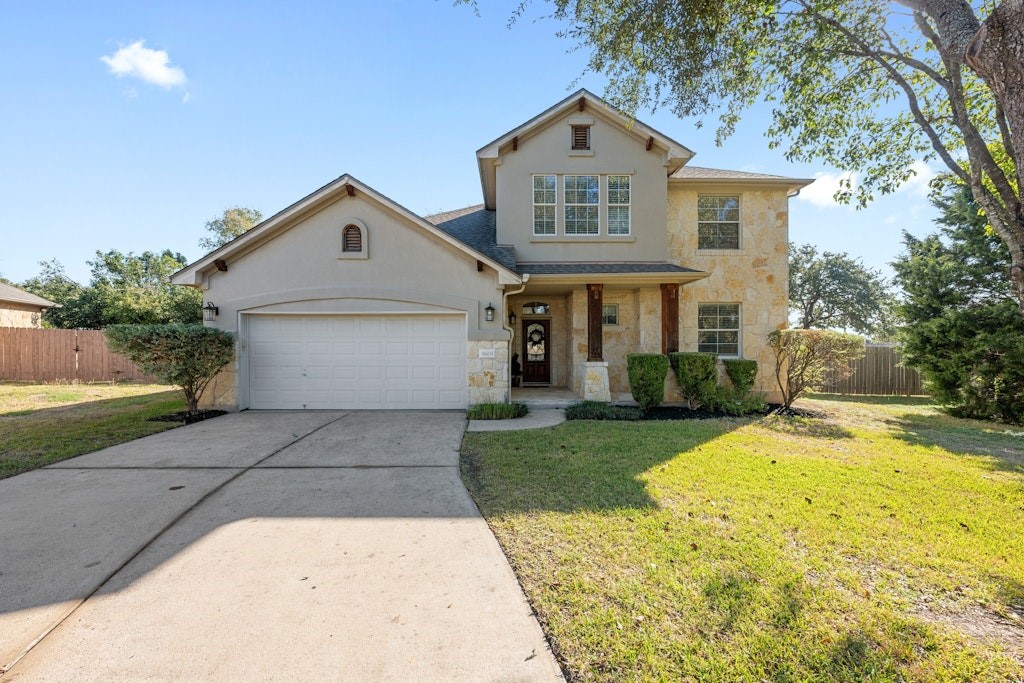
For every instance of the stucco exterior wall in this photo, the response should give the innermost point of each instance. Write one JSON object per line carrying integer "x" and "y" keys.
{"x": 756, "y": 276}
{"x": 301, "y": 270}
{"x": 20, "y": 315}
{"x": 615, "y": 151}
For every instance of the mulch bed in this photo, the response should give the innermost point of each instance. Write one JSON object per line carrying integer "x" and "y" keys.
{"x": 185, "y": 418}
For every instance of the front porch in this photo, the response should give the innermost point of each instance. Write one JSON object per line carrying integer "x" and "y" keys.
{"x": 559, "y": 397}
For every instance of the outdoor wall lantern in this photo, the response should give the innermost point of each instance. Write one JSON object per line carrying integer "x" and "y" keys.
{"x": 489, "y": 312}
{"x": 210, "y": 312}
{"x": 511, "y": 319}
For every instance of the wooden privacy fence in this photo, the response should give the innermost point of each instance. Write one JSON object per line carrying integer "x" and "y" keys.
{"x": 34, "y": 355}
{"x": 879, "y": 373}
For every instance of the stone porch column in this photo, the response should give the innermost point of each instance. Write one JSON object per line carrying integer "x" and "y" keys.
{"x": 595, "y": 380}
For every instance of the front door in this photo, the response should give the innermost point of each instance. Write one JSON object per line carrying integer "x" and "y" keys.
{"x": 536, "y": 352}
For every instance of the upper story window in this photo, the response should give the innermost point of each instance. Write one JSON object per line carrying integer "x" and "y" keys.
{"x": 618, "y": 204}
{"x": 582, "y": 198}
{"x": 580, "y": 137}
{"x": 718, "y": 222}
{"x": 544, "y": 201}
{"x": 718, "y": 329}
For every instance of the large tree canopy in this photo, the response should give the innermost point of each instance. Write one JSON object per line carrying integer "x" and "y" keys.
{"x": 229, "y": 225}
{"x": 863, "y": 85}
{"x": 835, "y": 291}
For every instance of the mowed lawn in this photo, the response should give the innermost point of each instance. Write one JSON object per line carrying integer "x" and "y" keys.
{"x": 44, "y": 423}
{"x": 882, "y": 543}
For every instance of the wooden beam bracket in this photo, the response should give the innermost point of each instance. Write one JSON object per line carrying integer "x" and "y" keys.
{"x": 221, "y": 264}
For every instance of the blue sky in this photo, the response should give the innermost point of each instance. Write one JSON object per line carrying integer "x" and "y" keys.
{"x": 258, "y": 104}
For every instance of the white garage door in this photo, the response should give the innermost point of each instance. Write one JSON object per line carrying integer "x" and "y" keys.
{"x": 357, "y": 361}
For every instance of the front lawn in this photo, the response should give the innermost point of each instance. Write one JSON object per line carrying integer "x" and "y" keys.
{"x": 883, "y": 543}
{"x": 45, "y": 423}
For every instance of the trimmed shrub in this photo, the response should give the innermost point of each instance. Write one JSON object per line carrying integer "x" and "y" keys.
{"x": 804, "y": 359}
{"x": 188, "y": 356}
{"x": 647, "y": 372}
{"x": 742, "y": 373}
{"x": 497, "y": 411}
{"x": 697, "y": 374}
{"x": 596, "y": 410}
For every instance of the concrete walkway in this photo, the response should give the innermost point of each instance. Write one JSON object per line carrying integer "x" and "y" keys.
{"x": 262, "y": 546}
{"x": 535, "y": 419}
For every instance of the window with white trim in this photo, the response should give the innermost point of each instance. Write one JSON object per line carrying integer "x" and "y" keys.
{"x": 618, "y": 204}
{"x": 718, "y": 222}
{"x": 545, "y": 195}
{"x": 582, "y": 199}
{"x": 718, "y": 329}
{"x": 610, "y": 314}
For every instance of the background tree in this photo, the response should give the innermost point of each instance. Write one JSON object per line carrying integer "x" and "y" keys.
{"x": 835, "y": 291}
{"x": 962, "y": 328}
{"x": 229, "y": 225}
{"x": 77, "y": 308}
{"x": 130, "y": 289}
{"x": 864, "y": 85}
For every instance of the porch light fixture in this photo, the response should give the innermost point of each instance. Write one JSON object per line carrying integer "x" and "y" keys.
{"x": 511, "y": 319}
{"x": 489, "y": 312}
{"x": 210, "y": 312}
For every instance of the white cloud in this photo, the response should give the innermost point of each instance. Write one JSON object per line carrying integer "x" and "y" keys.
{"x": 824, "y": 187}
{"x": 918, "y": 184}
{"x": 152, "y": 66}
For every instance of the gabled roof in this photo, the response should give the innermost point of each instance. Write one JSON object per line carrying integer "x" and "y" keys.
{"x": 700, "y": 174}
{"x": 192, "y": 275}
{"x": 476, "y": 227}
{"x": 676, "y": 153}
{"x": 20, "y": 296}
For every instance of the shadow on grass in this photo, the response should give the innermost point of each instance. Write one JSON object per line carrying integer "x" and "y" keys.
{"x": 1004, "y": 444}
{"x": 579, "y": 465}
{"x": 811, "y": 427}
{"x": 874, "y": 400}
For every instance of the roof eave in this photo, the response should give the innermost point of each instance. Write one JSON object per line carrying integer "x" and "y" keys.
{"x": 192, "y": 275}
{"x": 616, "y": 278}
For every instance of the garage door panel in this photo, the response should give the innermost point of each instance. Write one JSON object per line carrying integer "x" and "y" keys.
{"x": 357, "y": 361}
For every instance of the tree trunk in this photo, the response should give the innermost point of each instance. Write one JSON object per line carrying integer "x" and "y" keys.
{"x": 996, "y": 53}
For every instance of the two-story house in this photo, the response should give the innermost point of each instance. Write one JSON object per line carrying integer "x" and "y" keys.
{"x": 595, "y": 239}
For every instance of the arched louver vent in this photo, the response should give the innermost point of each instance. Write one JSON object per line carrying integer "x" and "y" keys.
{"x": 352, "y": 239}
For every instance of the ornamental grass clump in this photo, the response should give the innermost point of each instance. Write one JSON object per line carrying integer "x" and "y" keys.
{"x": 188, "y": 356}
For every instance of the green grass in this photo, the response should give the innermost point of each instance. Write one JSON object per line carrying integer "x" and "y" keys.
{"x": 43, "y": 423}
{"x": 881, "y": 544}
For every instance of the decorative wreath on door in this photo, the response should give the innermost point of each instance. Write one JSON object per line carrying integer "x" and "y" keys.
{"x": 536, "y": 337}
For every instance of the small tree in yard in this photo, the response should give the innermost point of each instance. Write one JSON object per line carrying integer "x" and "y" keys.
{"x": 188, "y": 356}
{"x": 804, "y": 359}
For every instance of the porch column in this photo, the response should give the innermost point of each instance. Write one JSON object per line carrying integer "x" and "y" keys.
{"x": 595, "y": 322}
{"x": 595, "y": 373}
{"x": 669, "y": 317}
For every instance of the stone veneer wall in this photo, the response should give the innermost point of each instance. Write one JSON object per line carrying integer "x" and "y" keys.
{"x": 488, "y": 377}
{"x": 14, "y": 315}
{"x": 222, "y": 391}
{"x": 756, "y": 276}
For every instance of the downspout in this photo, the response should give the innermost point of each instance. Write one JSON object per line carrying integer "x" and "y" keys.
{"x": 511, "y": 333}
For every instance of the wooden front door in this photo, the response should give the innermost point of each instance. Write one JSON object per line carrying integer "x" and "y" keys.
{"x": 536, "y": 352}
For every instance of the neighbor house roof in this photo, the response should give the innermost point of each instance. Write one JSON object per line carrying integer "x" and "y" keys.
{"x": 192, "y": 275}
{"x": 701, "y": 174}
{"x": 676, "y": 154}
{"x": 20, "y": 296}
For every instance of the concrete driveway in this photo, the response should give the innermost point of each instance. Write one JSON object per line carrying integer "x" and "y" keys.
{"x": 262, "y": 546}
